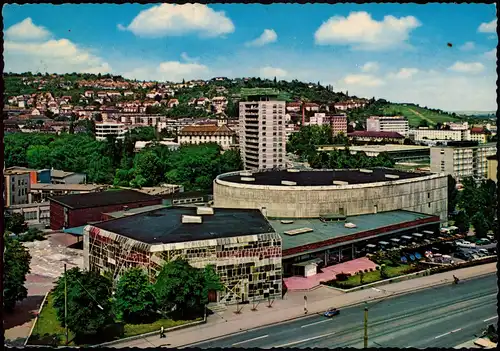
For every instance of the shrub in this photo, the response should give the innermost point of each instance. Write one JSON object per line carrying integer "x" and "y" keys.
{"x": 341, "y": 277}
{"x": 366, "y": 270}
{"x": 377, "y": 268}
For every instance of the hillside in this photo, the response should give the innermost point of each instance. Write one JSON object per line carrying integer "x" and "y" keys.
{"x": 417, "y": 114}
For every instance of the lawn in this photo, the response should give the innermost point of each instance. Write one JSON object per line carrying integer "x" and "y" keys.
{"x": 48, "y": 330}
{"x": 369, "y": 277}
{"x": 416, "y": 114}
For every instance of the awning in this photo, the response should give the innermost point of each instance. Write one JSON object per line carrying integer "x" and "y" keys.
{"x": 383, "y": 243}
{"x": 75, "y": 230}
{"x": 427, "y": 232}
{"x": 406, "y": 237}
{"x": 394, "y": 239}
{"x": 308, "y": 262}
{"x": 371, "y": 245}
{"x": 418, "y": 235}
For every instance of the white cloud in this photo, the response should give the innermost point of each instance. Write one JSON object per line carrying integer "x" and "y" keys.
{"x": 370, "y": 67}
{"x": 174, "y": 71}
{"x": 271, "y": 72}
{"x": 404, "y": 73}
{"x": 491, "y": 55}
{"x": 174, "y": 20}
{"x": 467, "y": 67}
{"x": 267, "y": 37}
{"x": 54, "y": 56}
{"x": 187, "y": 58}
{"x": 364, "y": 80}
{"x": 488, "y": 27}
{"x": 26, "y": 31}
{"x": 468, "y": 46}
{"x": 360, "y": 31}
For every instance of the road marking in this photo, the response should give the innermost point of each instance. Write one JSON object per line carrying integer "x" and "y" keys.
{"x": 308, "y": 325}
{"x": 377, "y": 290}
{"x": 304, "y": 340}
{"x": 257, "y": 338}
{"x": 453, "y": 331}
{"x": 489, "y": 319}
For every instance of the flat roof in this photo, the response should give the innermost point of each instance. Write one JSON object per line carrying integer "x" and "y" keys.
{"x": 323, "y": 231}
{"x": 65, "y": 187}
{"x": 102, "y": 198}
{"x": 134, "y": 211}
{"x": 320, "y": 177}
{"x": 164, "y": 226}
{"x": 376, "y": 148}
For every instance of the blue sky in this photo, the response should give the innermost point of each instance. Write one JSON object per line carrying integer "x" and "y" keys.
{"x": 392, "y": 51}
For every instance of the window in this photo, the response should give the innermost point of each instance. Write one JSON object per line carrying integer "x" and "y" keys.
{"x": 429, "y": 204}
{"x": 428, "y": 195}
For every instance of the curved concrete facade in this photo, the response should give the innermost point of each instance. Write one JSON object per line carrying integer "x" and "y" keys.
{"x": 427, "y": 194}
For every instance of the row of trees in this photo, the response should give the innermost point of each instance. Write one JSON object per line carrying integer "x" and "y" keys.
{"x": 94, "y": 302}
{"x": 477, "y": 206}
{"x": 338, "y": 159}
{"x": 114, "y": 161}
{"x": 16, "y": 266}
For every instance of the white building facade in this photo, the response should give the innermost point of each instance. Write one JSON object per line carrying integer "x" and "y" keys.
{"x": 396, "y": 124}
{"x": 105, "y": 129}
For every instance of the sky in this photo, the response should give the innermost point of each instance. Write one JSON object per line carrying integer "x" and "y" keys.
{"x": 398, "y": 52}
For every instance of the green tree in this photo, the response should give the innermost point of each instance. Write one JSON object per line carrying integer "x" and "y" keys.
{"x": 89, "y": 302}
{"x": 462, "y": 222}
{"x": 134, "y": 298}
{"x": 16, "y": 266}
{"x": 180, "y": 287}
{"x": 38, "y": 156}
{"x": 16, "y": 223}
{"x": 384, "y": 274}
{"x": 480, "y": 224}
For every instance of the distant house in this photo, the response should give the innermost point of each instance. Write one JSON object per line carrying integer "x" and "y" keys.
{"x": 62, "y": 177}
{"x": 222, "y": 135}
{"x": 172, "y": 103}
{"x": 311, "y": 106}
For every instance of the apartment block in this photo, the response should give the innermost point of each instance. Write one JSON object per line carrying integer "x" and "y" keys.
{"x": 17, "y": 187}
{"x": 422, "y": 134}
{"x": 492, "y": 165}
{"x": 339, "y": 124}
{"x": 462, "y": 160}
{"x": 105, "y": 129}
{"x": 397, "y": 124}
{"x": 262, "y": 135}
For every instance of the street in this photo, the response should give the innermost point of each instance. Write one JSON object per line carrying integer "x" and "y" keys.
{"x": 445, "y": 316}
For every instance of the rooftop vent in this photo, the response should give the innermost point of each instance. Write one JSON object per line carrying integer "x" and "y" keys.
{"x": 362, "y": 170}
{"x": 191, "y": 219}
{"x": 285, "y": 221}
{"x": 293, "y": 170}
{"x": 246, "y": 174}
{"x": 247, "y": 179}
{"x": 299, "y": 231}
{"x": 204, "y": 211}
{"x": 392, "y": 176}
{"x": 288, "y": 182}
{"x": 340, "y": 182}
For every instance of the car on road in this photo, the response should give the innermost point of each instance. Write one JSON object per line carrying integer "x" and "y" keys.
{"x": 331, "y": 312}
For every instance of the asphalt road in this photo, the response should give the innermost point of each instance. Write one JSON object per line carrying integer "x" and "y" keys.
{"x": 445, "y": 316}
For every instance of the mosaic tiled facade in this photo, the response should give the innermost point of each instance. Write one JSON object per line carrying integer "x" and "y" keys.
{"x": 249, "y": 266}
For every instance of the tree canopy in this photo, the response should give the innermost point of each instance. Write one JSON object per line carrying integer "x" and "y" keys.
{"x": 89, "y": 301}
{"x": 15, "y": 223}
{"x": 16, "y": 266}
{"x": 114, "y": 161}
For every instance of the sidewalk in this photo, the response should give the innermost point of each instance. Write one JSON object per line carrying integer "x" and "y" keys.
{"x": 292, "y": 307}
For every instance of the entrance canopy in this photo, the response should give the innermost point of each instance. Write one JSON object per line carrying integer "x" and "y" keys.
{"x": 383, "y": 243}
{"x": 418, "y": 235}
{"x": 406, "y": 237}
{"x": 371, "y": 246}
{"x": 427, "y": 232}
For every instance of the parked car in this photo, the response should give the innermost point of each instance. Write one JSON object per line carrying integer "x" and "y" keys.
{"x": 463, "y": 255}
{"x": 331, "y": 312}
{"x": 483, "y": 241}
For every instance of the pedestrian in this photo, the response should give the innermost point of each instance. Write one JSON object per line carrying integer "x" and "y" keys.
{"x": 162, "y": 333}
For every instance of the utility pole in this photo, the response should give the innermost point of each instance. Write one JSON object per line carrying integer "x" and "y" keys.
{"x": 65, "y": 304}
{"x": 366, "y": 329}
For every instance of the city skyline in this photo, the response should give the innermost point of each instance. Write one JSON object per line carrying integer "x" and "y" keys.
{"x": 396, "y": 52}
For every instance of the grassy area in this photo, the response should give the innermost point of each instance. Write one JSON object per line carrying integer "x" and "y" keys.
{"x": 416, "y": 114}
{"x": 370, "y": 277}
{"x": 48, "y": 330}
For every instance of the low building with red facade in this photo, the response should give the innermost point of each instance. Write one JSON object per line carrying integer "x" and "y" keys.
{"x": 330, "y": 240}
{"x": 241, "y": 245}
{"x": 76, "y": 210}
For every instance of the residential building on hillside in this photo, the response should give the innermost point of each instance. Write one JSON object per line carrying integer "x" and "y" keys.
{"x": 478, "y": 134}
{"x": 262, "y": 136}
{"x": 457, "y": 125}
{"x": 398, "y": 124}
{"x": 222, "y": 135}
{"x": 319, "y": 119}
{"x": 338, "y": 123}
{"x": 462, "y": 159}
{"x": 422, "y": 134}
{"x": 17, "y": 187}
{"x": 492, "y": 165}
{"x": 105, "y": 129}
